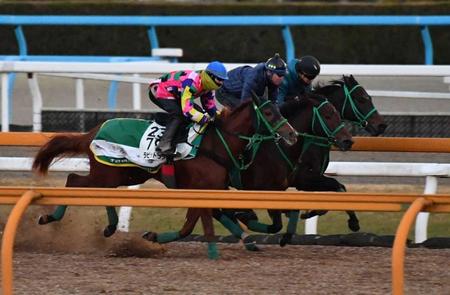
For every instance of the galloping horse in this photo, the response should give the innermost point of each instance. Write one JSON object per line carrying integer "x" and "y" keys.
{"x": 271, "y": 165}
{"x": 355, "y": 105}
{"x": 208, "y": 170}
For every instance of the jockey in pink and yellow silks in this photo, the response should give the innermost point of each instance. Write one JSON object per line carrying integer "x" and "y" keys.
{"x": 175, "y": 93}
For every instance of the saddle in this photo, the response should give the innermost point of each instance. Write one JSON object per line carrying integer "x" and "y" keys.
{"x": 182, "y": 132}
{"x": 132, "y": 142}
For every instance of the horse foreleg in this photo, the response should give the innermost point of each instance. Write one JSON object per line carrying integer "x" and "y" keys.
{"x": 231, "y": 223}
{"x": 291, "y": 227}
{"x": 208, "y": 230}
{"x": 113, "y": 220}
{"x": 249, "y": 218}
{"x": 352, "y": 222}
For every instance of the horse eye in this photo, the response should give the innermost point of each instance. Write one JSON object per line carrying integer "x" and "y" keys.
{"x": 267, "y": 113}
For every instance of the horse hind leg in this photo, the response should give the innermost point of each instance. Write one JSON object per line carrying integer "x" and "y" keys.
{"x": 73, "y": 180}
{"x": 192, "y": 217}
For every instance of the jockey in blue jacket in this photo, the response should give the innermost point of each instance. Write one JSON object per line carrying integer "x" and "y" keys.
{"x": 301, "y": 73}
{"x": 242, "y": 80}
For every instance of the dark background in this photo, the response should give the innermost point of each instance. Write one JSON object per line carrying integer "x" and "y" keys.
{"x": 343, "y": 44}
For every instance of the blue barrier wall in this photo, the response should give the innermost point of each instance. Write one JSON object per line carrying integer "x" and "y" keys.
{"x": 152, "y": 22}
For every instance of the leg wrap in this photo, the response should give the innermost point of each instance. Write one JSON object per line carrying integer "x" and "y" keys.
{"x": 59, "y": 212}
{"x": 167, "y": 237}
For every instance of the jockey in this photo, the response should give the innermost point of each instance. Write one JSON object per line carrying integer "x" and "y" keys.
{"x": 301, "y": 73}
{"x": 175, "y": 93}
{"x": 243, "y": 80}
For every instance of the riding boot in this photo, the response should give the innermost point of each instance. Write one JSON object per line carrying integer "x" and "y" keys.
{"x": 165, "y": 146}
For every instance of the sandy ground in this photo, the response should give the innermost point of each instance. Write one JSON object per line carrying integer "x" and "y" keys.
{"x": 78, "y": 260}
{"x": 182, "y": 268}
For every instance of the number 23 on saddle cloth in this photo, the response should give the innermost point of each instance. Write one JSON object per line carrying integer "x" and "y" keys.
{"x": 132, "y": 143}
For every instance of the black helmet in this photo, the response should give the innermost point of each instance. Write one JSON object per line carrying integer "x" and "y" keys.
{"x": 276, "y": 64}
{"x": 309, "y": 66}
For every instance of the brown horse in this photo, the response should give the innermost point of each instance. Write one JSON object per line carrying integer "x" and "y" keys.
{"x": 208, "y": 170}
{"x": 312, "y": 115}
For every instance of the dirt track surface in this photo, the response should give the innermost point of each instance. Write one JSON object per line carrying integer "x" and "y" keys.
{"x": 182, "y": 268}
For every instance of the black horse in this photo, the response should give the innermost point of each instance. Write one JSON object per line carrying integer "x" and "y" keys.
{"x": 355, "y": 105}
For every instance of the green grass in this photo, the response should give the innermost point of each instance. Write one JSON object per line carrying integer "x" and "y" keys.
{"x": 155, "y": 219}
{"x": 331, "y": 223}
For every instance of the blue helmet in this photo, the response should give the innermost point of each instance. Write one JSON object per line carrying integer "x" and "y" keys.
{"x": 217, "y": 69}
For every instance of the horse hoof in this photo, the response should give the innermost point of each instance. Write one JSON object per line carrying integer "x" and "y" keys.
{"x": 353, "y": 225}
{"x": 109, "y": 230}
{"x": 149, "y": 236}
{"x": 286, "y": 239}
{"x": 213, "y": 253}
{"x": 252, "y": 247}
{"x": 44, "y": 219}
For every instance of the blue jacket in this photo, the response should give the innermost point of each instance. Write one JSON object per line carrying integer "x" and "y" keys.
{"x": 243, "y": 79}
{"x": 292, "y": 86}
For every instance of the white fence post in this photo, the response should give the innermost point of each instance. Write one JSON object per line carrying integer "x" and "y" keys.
{"x": 5, "y": 103}
{"x": 136, "y": 94}
{"x": 311, "y": 225}
{"x": 431, "y": 184}
{"x": 37, "y": 102}
{"x": 79, "y": 94}
{"x": 125, "y": 215}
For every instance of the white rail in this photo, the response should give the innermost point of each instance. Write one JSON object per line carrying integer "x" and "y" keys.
{"x": 431, "y": 171}
{"x": 83, "y": 70}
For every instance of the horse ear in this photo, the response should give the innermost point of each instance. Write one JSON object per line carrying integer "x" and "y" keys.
{"x": 255, "y": 98}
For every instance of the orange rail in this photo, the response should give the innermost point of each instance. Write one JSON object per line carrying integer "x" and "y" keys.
{"x": 380, "y": 144}
{"x": 23, "y": 196}
{"x": 398, "y": 250}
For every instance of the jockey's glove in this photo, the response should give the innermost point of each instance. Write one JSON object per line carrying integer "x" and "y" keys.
{"x": 205, "y": 119}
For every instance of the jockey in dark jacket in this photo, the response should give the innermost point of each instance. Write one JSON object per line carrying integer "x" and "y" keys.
{"x": 242, "y": 80}
{"x": 301, "y": 73}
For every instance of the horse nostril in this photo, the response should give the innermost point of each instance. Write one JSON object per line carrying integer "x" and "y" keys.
{"x": 348, "y": 144}
{"x": 382, "y": 128}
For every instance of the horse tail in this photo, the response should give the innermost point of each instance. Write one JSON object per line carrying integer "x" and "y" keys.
{"x": 61, "y": 146}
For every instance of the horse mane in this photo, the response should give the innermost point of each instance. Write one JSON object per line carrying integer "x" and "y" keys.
{"x": 324, "y": 87}
{"x": 226, "y": 112}
{"x": 292, "y": 106}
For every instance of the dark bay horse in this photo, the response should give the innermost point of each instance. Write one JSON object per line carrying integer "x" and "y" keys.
{"x": 354, "y": 105}
{"x": 272, "y": 164}
{"x": 208, "y": 170}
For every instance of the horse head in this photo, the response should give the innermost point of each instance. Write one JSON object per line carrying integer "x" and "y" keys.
{"x": 319, "y": 119}
{"x": 354, "y": 104}
{"x": 269, "y": 118}
{"x": 257, "y": 116}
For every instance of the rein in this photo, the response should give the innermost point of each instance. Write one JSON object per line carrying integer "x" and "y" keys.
{"x": 254, "y": 141}
{"x": 310, "y": 139}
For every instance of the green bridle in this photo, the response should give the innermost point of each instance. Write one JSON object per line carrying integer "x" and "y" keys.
{"x": 254, "y": 141}
{"x": 362, "y": 119}
{"x": 310, "y": 139}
